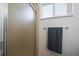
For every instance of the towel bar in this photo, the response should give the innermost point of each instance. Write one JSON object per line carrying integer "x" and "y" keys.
{"x": 56, "y": 27}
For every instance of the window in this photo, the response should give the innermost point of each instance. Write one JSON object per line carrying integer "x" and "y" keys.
{"x": 60, "y": 9}
{"x": 49, "y": 10}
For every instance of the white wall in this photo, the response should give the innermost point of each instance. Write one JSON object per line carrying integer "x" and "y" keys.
{"x": 3, "y": 14}
{"x": 70, "y": 36}
{"x": 1, "y": 20}
{"x": 1, "y": 25}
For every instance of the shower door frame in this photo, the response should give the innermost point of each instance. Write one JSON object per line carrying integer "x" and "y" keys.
{"x": 5, "y": 20}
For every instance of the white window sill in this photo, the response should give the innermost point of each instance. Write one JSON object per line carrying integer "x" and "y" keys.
{"x": 56, "y": 17}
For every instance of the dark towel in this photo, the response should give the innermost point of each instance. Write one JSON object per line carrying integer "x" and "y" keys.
{"x": 55, "y": 39}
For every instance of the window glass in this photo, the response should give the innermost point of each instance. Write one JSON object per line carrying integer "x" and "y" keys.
{"x": 55, "y": 9}
{"x": 60, "y": 9}
{"x": 47, "y": 11}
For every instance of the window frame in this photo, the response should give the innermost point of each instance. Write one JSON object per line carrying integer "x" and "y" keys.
{"x": 68, "y": 10}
